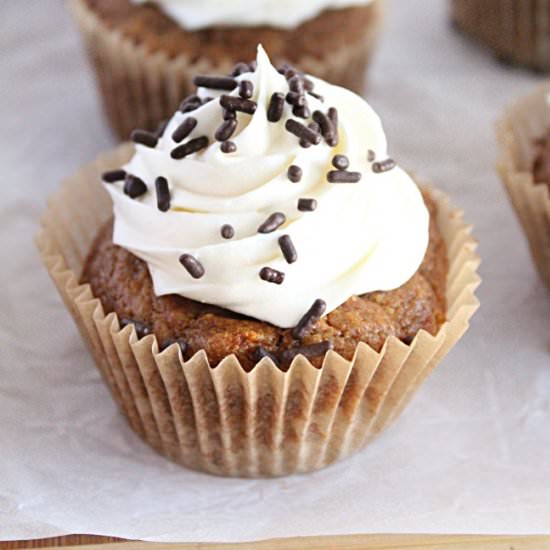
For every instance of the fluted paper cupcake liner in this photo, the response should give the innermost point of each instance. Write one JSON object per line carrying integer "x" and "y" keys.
{"x": 522, "y": 124}
{"x": 518, "y": 31}
{"x": 140, "y": 89}
{"x": 224, "y": 420}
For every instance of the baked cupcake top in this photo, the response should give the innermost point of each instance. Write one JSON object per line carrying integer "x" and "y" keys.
{"x": 270, "y": 194}
{"x": 285, "y": 14}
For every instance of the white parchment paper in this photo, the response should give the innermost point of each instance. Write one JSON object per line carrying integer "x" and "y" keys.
{"x": 470, "y": 455}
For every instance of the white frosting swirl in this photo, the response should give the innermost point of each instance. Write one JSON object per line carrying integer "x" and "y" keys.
{"x": 286, "y": 14}
{"x": 362, "y": 237}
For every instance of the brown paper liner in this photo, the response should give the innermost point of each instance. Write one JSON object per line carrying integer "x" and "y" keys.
{"x": 518, "y": 31}
{"x": 227, "y": 421}
{"x": 139, "y": 89}
{"x": 522, "y": 123}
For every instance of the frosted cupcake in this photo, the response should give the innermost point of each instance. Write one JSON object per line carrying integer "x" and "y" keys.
{"x": 272, "y": 288}
{"x": 145, "y": 54}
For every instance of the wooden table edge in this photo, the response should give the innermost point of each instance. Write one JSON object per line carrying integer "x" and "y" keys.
{"x": 347, "y": 542}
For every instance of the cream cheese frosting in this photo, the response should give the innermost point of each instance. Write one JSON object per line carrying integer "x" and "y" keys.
{"x": 361, "y": 237}
{"x": 286, "y": 14}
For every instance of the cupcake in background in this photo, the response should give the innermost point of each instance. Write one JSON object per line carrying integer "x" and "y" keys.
{"x": 145, "y": 53}
{"x": 518, "y": 31}
{"x": 524, "y": 136}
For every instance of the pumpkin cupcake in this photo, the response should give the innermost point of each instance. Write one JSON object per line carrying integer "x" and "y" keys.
{"x": 269, "y": 288}
{"x": 145, "y": 54}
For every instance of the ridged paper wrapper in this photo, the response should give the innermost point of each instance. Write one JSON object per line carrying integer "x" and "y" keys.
{"x": 522, "y": 123}
{"x": 518, "y": 31}
{"x": 139, "y": 89}
{"x": 225, "y": 420}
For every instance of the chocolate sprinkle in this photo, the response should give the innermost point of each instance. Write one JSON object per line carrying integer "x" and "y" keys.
{"x": 229, "y": 115}
{"x": 296, "y": 99}
{"x": 291, "y": 71}
{"x": 141, "y": 328}
{"x": 312, "y": 126}
{"x": 113, "y": 175}
{"x": 328, "y": 130}
{"x": 340, "y": 162}
{"x": 285, "y": 68}
{"x": 311, "y": 350}
{"x": 134, "y": 187}
{"x": 238, "y": 104}
{"x": 307, "y": 205}
{"x": 260, "y": 352}
{"x": 282, "y": 69}
{"x": 189, "y": 107}
{"x": 294, "y": 173}
{"x": 215, "y": 82}
{"x": 181, "y": 344}
{"x": 313, "y": 314}
{"x": 273, "y": 222}
{"x": 246, "y": 89}
{"x": 159, "y": 132}
{"x": 383, "y": 166}
{"x": 302, "y": 111}
{"x": 342, "y": 176}
{"x": 226, "y": 130}
{"x": 302, "y": 132}
{"x": 227, "y": 231}
{"x": 192, "y": 265}
{"x": 308, "y": 84}
{"x": 144, "y": 138}
{"x": 333, "y": 116}
{"x": 272, "y": 275}
{"x": 276, "y": 106}
{"x": 163, "y": 194}
{"x": 316, "y": 96}
{"x": 287, "y": 248}
{"x": 296, "y": 84}
{"x": 184, "y": 129}
{"x": 228, "y": 147}
{"x": 190, "y": 147}
{"x": 371, "y": 155}
{"x": 190, "y": 103}
{"x": 240, "y": 68}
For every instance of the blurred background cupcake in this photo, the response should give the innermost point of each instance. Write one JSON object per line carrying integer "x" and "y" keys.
{"x": 518, "y": 31}
{"x": 145, "y": 53}
{"x": 524, "y": 165}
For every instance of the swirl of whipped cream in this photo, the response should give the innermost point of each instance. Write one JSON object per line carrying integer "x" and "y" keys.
{"x": 285, "y": 14}
{"x": 365, "y": 236}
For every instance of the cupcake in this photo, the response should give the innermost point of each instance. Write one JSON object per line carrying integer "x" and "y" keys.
{"x": 524, "y": 136}
{"x": 517, "y": 31}
{"x": 269, "y": 289}
{"x": 145, "y": 54}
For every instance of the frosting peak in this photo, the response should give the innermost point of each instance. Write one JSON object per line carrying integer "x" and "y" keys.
{"x": 193, "y": 15}
{"x": 260, "y": 229}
